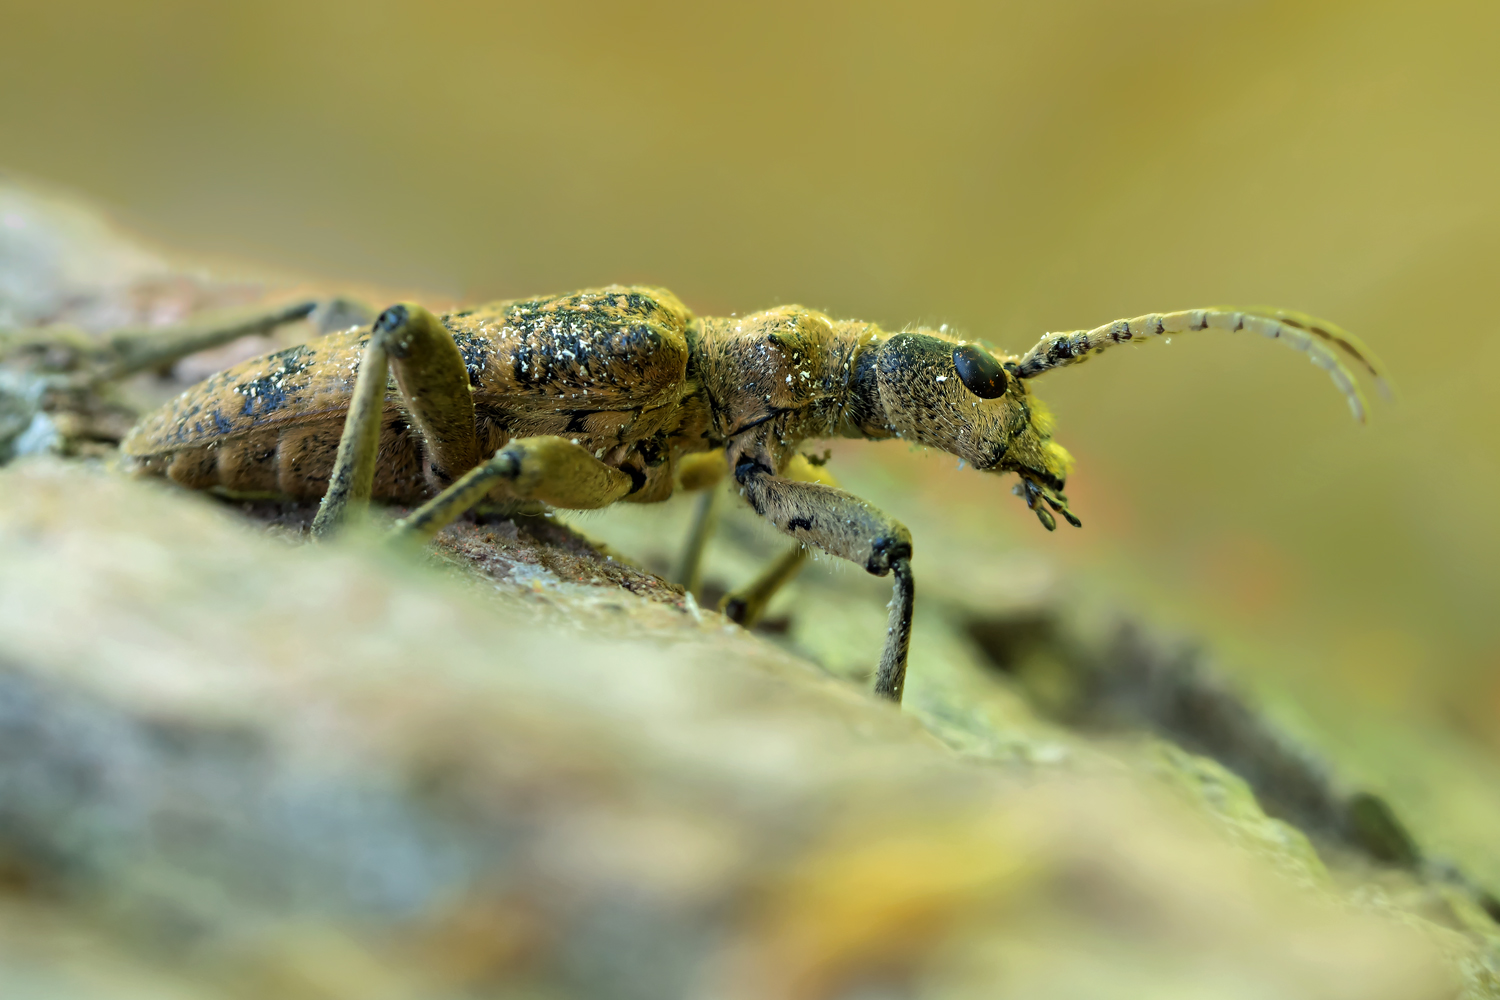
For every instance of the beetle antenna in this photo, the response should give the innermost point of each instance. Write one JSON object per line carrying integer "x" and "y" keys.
{"x": 1306, "y": 333}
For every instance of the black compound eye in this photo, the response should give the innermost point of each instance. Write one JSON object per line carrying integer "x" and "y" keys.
{"x": 980, "y": 373}
{"x": 390, "y": 319}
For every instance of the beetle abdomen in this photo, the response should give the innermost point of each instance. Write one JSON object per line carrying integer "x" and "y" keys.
{"x": 272, "y": 424}
{"x": 293, "y": 460}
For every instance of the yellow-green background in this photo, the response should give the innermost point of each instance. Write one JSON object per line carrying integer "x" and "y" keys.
{"x": 1009, "y": 168}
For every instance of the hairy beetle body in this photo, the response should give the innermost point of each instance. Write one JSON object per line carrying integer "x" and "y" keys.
{"x": 628, "y": 372}
{"x": 586, "y": 399}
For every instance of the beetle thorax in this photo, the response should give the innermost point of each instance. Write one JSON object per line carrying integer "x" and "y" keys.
{"x": 789, "y": 374}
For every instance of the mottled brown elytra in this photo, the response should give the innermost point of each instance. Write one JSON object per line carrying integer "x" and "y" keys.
{"x": 583, "y": 400}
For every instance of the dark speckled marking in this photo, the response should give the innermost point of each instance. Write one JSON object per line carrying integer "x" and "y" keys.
{"x": 272, "y": 391}
{"x": 563, "y": 341}
{"x": 475, "y": 351}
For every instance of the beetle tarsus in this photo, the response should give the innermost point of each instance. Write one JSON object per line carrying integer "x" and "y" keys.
{"x": 890, "y": 681}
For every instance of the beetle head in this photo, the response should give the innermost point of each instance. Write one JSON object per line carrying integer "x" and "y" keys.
{"x": 961, "y": 397}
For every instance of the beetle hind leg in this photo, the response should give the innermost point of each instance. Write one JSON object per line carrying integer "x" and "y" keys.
{"x": 434, "y": 384}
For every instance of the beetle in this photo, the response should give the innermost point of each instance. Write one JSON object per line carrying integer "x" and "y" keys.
{"x": 613, "y": 394}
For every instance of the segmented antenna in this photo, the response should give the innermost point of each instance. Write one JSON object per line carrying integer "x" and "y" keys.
{"x": 1305, "y": 333}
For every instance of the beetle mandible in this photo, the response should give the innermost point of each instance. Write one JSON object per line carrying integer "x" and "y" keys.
{"x": 613, "y": 394}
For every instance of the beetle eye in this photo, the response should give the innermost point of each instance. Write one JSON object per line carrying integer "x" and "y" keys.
{"x": 980, "y": 373}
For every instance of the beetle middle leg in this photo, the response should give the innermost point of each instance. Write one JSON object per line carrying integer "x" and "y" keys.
{"x": 702, "y": 472}
{"x": 747, "y": 605}
{"x": 843, "y": 525}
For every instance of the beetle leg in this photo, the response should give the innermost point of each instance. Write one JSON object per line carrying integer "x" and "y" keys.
{"x": 133, "y": 351}
{"x": 434, "y": 386}
{"x": 748, "y": 604}
{"x": 354, "y": 466}
{"x": 551, "y": 469}
{"x": 845, "y": 526}
{"x": 705, "y": 520}
{"x": 704, "y": 471}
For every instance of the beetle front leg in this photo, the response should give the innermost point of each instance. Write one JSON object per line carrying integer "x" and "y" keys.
{"x": 434, "y": 385}
{"x": 551, "y": 469}
{"x": 746, "y": 605}
{"x": 843, "y": 525}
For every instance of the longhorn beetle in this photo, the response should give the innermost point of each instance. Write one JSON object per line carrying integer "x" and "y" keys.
{"x": 620, "y": 393}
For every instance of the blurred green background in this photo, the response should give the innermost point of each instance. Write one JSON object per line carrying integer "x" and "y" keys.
{"x": 1008, "y": 168}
